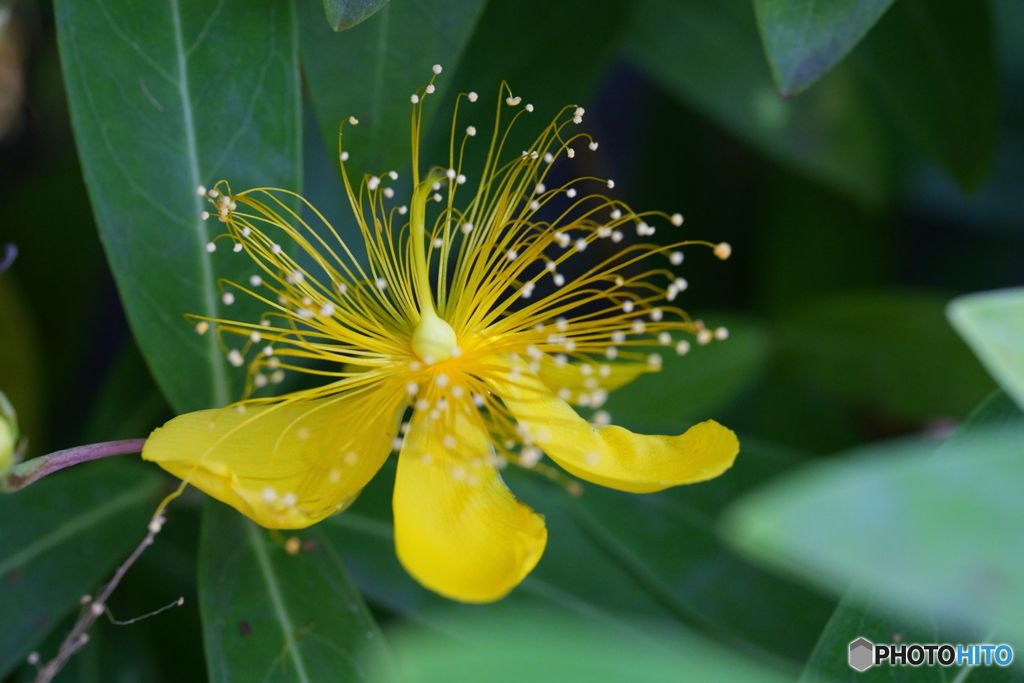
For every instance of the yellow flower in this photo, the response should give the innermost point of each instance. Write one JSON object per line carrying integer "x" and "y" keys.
{"x": 483, "y": 321}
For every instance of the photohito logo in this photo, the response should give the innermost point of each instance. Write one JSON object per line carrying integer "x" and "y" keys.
{"x": 864, "y": 654}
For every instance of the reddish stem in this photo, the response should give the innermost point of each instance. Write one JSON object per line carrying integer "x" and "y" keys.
{"x": 27, "y": 472}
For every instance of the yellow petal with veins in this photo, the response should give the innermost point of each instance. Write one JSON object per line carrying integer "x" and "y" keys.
{"x": 573, "y": 378}
{"x": 458, "y": 529}
{"x": 284, "y": 465}
{"x": 610, "y": 456}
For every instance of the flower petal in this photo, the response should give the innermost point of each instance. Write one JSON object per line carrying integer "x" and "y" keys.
{"x": 611, "y": 456}
{"x": 570, "y": 381}
{"x": 458, "y": 529}
{"x": 285, "y": 465}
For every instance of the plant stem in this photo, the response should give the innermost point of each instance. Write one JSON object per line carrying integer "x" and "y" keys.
{"x": 27, "y": 472}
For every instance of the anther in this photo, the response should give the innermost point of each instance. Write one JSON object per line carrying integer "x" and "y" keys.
{"x": 723, "y": 250}
{"x": 237, "y": 248}
{"x": 654, "y": 360}
{"x": 548, "y": 157}
{"x": 704, "y": 337}
{"x": 228, "y": 298}
{"x": 570, "y": 193}
{"x": 471, "y": 131}
{"x": 393, "y": 175}
{"x": 372, "y": 183}
{"x": 235, "y": 358}
{"x": 430, "y": 89}
{"x": 611, "y": 183}
{"x": 436, "y": 68}
{"x": 721, "y": 334}
{"x": 466, "y": 228}
{"x": 327, "y": 310}
{"x": 675, "y": 258}
{"x": 343, "y": 156}
{"x": 665, "y": 339}
{"x": 389, "y": 192}
{"x": 204, "y": 215}
{"x": 593, "y": 146}
{"x": 513, "y": 101}
{"x": 353, "y": 120}
{"x": 570, "y": 152}
{"x": 472, "y": 96}
{"x": 200, "y": 190}
{"x": 255, "y": 337}
{"x": 202, "y": 327}
{"x": 211, "y": 247}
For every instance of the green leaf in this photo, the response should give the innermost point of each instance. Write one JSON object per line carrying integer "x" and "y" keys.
{"x": 805, "y": 38}
{"x": 343, "y": 14}
{"x": 542, "y": 647}
{"x": 859, "y": 617}
{"x": 932, "y": 66}
{"x": 708, "y": 54}
{"x": 370, "y": 73}
{"x": 697, "y": 386}
{"x": 51, "y": 554}
{"x": 993, "y": 324}
{"x": 890, "y": 516}
{"x": 890, "y": 351}
{"x": 165, "y": 97}
{"x": 269, "y": 616}
{"x": 655, "y": 555}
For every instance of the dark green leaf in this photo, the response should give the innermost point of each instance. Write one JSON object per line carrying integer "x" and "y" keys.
{"x": 343, "y": 14}
{"x": 370, "y": 73}
{"x": 887, "y": 517}
{"x": 272, "y": 616}
{"x": 993, "y": 324}
{"x": 546, "y": 647}
{"x": 655, "y": 555}
{"x": 61, "y": 536}
{"x": 932, "y": 65}
{"x": 858, "y": 617}
{"x": 708, "y": 54}
{"x": 165, "y": 97}
{"x": 806, "y": 38}
{"x": 892, "y": 352}
{"x": 697, "y": 386}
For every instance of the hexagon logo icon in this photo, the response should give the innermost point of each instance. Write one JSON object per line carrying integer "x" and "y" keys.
{"x": 862, "y": 654}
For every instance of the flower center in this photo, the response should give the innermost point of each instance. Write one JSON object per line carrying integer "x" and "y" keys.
{"x": 433, "y": 340}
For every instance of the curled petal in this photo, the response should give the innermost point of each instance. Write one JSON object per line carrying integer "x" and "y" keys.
{"x": 610, "y": 456}
{"x": 458, "y": 529}
{"x": 285, "y": 465}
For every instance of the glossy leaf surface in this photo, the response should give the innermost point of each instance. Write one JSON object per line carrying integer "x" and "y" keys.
{"x": 165, "y": 97}
{"x": 273, "y": 616}
{"x": 805, "y": 38}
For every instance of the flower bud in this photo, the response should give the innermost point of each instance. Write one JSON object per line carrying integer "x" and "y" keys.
{"x": 8, "y": 436}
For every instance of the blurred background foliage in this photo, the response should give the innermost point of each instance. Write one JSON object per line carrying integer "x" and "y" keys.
{"x": 865, "y": 158}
